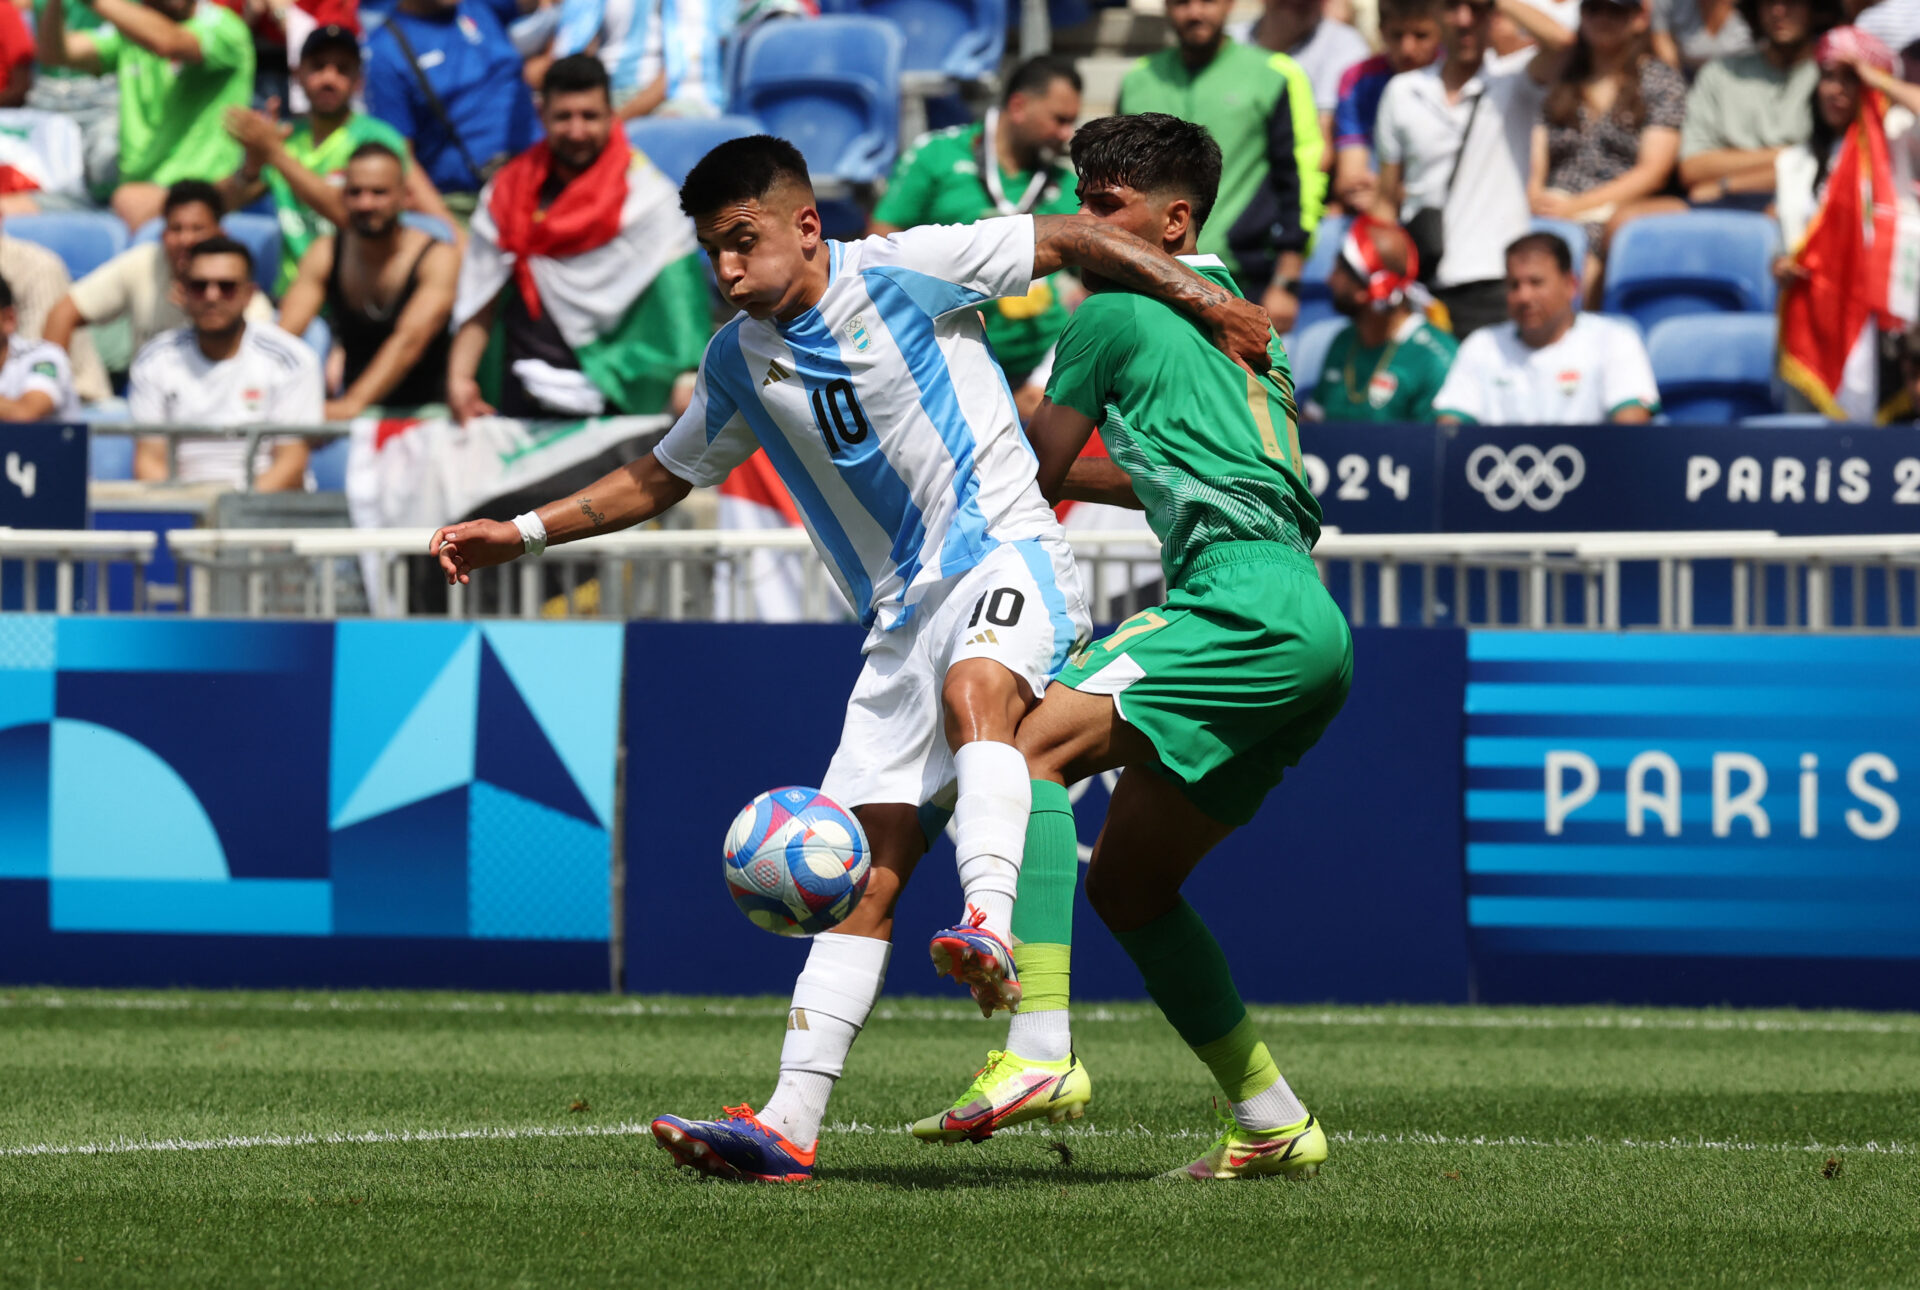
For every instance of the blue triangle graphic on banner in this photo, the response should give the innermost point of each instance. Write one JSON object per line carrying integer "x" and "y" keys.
{"x": 514, "y": 753}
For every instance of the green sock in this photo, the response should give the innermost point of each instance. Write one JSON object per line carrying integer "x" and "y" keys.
{"x": 1043, "y": 911}
{"x": 1187, "y": 975}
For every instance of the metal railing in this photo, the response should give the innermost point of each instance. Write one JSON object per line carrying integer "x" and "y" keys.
{"x": 71, "y": 555}
{"x": 1560, "y": 580}
{"x": 251, "y": 434}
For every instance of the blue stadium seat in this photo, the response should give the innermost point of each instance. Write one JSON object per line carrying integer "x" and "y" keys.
{"x": 328, "y": 466}
{"x": 961, "y": 39}
{"x": 1714, "y": 369}
{"x": 84, "y": 240}
{"x": 110, "y": 456}
{"x": 319, "y": 338}
{"x": 260, "y": 234}
{"x": 676, "y": 143}
{"x": 1316, "y": 303}
{"x": 1700, "y": 262}
{"x": 432, "y": 225}
{"x": 1787, "y": 421}
{"x": 1570, "y": 231}
{"x": 832, "y": 87}
{"x": 1307, "y": 353}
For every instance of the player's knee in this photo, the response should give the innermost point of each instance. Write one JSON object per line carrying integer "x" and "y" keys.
{"x": 982, "y": 700}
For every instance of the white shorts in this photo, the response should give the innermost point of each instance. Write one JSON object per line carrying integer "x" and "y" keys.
{"x": 1021, "y": 607}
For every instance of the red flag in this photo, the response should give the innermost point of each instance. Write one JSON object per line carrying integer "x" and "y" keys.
{"x": 585, "y": 215}
{"x": 1848, "y": 255}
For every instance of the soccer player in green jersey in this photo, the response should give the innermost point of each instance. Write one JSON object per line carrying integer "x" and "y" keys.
{"x": 1208, "y": 698}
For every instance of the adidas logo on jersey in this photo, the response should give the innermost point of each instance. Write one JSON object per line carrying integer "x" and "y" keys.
{"x": 985, "y": 638}
{"x": 775, "y": 372}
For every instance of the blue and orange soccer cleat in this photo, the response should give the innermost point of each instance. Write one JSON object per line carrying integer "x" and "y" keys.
{"x": 738, "y": 1148}
{"x": 979, "y": 960}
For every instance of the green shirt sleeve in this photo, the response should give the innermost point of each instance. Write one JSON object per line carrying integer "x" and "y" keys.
{"x": 1097, "y": 343}
{"x": 909, "y": 191}
{"x": 109, "y": 45}
{"x": 225, "y": 42}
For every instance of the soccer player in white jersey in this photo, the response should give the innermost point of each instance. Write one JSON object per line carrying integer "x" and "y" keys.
{"x": 863, "y": 371}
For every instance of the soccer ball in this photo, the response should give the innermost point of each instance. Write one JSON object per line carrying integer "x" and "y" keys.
{"x": 796, "y": 861}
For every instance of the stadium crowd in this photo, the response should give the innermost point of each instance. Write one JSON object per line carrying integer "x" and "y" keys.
{"x": 433, "y": 206}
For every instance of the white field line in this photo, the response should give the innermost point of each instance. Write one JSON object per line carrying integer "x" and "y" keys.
{"x": 124, "y": 1146}
{"x": 1463, "y": 1019}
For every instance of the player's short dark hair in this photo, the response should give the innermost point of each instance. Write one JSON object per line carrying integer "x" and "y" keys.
{"x": 190, "y": 192}
{"x": 375, "y": 148}
{"x": 1548, "y": 244}
{"x": 221, "y": 244}
{"x": 576, "y": 74}
{"x": 742, "y": 170}
{"x": 6, "y": 294}
{"x": 1410, "y": 10}
{"x": 1154, "y": 153}
{"x": 1037, "y": 75}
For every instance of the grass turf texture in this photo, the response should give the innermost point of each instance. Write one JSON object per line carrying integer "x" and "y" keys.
{"x": 1484, "y": 1146}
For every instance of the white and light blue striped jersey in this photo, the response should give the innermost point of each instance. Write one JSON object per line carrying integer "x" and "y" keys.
{"x": 883, "y": 411}
{"x": 638, "y": 39}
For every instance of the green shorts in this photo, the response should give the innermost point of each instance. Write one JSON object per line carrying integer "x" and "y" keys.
{"x": 1232, "y": 679}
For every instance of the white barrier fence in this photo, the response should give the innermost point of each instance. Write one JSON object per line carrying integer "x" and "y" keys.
{"x": 1548, "y": 580}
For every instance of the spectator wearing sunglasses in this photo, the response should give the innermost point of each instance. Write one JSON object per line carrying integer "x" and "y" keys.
{"x": 223, "y": 370}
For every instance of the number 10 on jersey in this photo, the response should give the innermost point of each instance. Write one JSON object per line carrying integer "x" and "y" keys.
{"x": 837, "y": 411}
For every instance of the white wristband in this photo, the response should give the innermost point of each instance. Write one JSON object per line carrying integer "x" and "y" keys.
{"x": 532, "y": 532}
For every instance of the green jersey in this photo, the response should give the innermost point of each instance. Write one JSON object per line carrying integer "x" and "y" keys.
{"x": 939, "y": 181}
{"x": 1391, "y": 382}
{"x": 1213, "y": 451}
{"x": 172, "y": 115}
{"x": 299, "y": 224}
{"x": 1258, "y": 106}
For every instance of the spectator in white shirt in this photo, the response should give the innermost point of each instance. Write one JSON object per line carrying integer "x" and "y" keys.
{"x": 1324, "y": 47}
{"x": 1454, "y": 142}
{"x": 222, "y": 370}
{"x": 35, "y": 382}
{"x": 1550, "y": 365}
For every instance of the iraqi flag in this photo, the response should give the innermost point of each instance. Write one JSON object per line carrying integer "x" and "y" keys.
{"x": 1861, "y": 254}
{"x": 612, "y": 260}
{"x": 767, "y": 586}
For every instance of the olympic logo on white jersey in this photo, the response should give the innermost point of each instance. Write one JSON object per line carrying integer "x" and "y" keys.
{"x": 1540, "y": 479}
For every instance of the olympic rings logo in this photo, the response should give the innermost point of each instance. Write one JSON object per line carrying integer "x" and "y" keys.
{"x": 1540, "y": 479}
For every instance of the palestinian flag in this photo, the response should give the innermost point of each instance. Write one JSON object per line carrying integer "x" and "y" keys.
{"x": 612, "y": 260}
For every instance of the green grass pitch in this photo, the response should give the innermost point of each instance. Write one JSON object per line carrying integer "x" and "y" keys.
{"x": 415, "y": 1140}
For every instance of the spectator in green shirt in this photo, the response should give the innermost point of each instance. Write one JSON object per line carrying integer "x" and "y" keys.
{"x": 180, "y": 64}
{"x": 945, "y": 179}
{"x": 305, "y": 168}
{"x": 1258, "y": 106}
{"x": 1389, "y": 362}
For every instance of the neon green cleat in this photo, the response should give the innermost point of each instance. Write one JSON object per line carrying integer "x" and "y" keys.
{"x": 1296, "y": 1151}
{"x": 1011, "y": 1090}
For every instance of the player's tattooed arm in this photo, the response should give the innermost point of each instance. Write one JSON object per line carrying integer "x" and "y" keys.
{"x": 1239, "y": 327}
{"x": 633, "y": 494}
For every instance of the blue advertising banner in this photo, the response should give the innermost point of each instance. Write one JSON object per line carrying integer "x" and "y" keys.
{"x": 43, "y": 483}
{"x": 1370, "y": 898}
{"x": 1693, "y": 818}
{"x": 255, "y": 804}
{"x": 1586, "y": 479}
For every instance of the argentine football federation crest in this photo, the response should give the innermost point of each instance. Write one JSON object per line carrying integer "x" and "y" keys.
{"x": 857, "y": 334}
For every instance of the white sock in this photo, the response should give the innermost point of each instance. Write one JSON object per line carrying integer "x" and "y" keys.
{"x": 990, "y": 828}
{"x": 1273, "y": 1108}
{"x": 831, "y": 1002}
{"x": 1040, "y": 1036}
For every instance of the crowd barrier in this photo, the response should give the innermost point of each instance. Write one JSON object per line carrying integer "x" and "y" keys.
{"x": 1506, "y": 816}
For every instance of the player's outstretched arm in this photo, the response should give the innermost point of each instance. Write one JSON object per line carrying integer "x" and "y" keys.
{"x": 1240, "y": 328}
{"x": 631, "y": 495}
{"x": 1058, "y": 433}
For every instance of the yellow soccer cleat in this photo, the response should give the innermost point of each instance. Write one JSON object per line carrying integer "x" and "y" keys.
{"x": 1296, "y": 1151}
{"x": 1011, "y": 1090}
